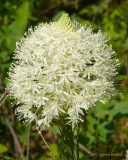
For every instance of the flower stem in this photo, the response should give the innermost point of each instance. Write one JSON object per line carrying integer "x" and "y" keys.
{"x": 46, "y": 144}
{"x": 97, "y": 132}
{"x": 78, "y": 129}
{"x": 72, "y": 143}
{"x": 28, "y": 141}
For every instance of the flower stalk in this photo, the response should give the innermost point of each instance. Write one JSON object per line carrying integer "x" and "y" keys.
{"x": 78, "y": 129}
{"x": 46, "y": 144}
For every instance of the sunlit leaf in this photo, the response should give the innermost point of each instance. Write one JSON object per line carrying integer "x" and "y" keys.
{"x": 58, "y": 15}
{"x": 3, "y": 148}
{"x": 22, "y": 15}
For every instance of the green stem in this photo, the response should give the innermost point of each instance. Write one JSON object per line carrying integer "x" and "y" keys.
{"x": 72, "y": 143}
{"x": 78, "y": 129}
{"x": 97, "y": 132}
{"x": 46, "y": 144}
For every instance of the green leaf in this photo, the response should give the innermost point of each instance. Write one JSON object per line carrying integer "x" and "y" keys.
{"x": 54, "y": 149}
{"x": 92, "y": 122}
{"x": 91, "y": 119}
{"x": 104, "y": 130}
{"x": 113, "y": 34}
{"x": 22, "y": 15}
{"x": 100, "y": 110}
{"x": 119, "y": 110}
{"x": 10, "y": 7}
{"x": 3, "y": 148}
{"x": 86, "y": 139}
{"x": 11, "y": 41}
{"x": 57, "y": 16}
{"x": 6, "y": 158}
{"x": 55, "y": 129}
{"x": 83, "y": 11}
{"x": 2, "y": 37}
{"x": 126, "y": 43}
{"x": 14, "y": 27}
{"x": 111, "y": 104}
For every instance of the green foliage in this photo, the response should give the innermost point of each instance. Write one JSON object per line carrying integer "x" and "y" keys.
{"x": 22, "y": 15}
{"x": 3, "y": 148}
{"x": 54, "y": 149}
{"x": 57, "y": 16}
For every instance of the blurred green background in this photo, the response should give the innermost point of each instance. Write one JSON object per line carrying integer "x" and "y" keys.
{"x": 105, "y": 129}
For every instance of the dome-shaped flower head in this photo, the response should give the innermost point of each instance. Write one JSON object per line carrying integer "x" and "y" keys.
{"x": 61, "y": 68}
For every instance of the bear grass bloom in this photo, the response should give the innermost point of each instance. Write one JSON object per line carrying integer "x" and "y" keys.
{"x": 61, "y": 68}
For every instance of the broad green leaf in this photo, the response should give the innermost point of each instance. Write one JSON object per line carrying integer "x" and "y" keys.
{"x": 14, "y": 28}
{"x": 5, "y": 66}
{"x": 91, "y": 139}
{"x": 6, "y": 158}
{"x": 3, "y": 148}
{"x": 104, "y": 130}
{"x": 100, "y": 110}
{"x": 11, "y": 40}
{"x": 115, "y": 14}
{"x": 86, "y": 139}
{"x": 58, "y": 15}
{"x": 91, "y": 119}
{"x": 113, "y": 34}
{"x": 119, "y": 110}
{"x": 111, "y": 104}
{"x": 55, "y": 129}
{"x": 54, "y": 149}
{"x": 22, "y": 15}
{"x": 84, "y": 11}
{"x": 4, "y": 55}
{"x": 92, "y": 122}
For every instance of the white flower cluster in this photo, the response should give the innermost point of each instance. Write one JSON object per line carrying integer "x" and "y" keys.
{"x": 61, "y": 68}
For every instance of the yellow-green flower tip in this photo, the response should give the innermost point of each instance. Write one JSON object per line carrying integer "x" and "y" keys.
{"x": 65, "y": 24}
